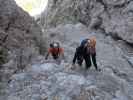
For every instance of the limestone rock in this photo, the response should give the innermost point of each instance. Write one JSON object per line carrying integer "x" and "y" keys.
{"x": 20, "y": 35}
{"x": 112, "y": 16}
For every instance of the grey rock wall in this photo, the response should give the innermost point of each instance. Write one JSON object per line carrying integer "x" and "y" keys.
{"x": 19, "y": 35}
{"x": 112, "y": 16}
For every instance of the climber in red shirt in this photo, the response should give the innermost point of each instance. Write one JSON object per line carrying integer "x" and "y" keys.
{"x": 55, "y": 50}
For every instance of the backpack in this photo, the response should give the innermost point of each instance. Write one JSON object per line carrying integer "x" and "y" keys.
{"x": 83, "y": 42}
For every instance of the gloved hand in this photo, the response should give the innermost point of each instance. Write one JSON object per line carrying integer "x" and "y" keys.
{"x": 73, "y": 66}
{"x": 46, "y": 58}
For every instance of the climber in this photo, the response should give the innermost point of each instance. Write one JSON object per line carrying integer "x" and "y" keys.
{"x": 86, "y": 51}
{"x": 92, "y": 51}
{"x": 80, "y": 53}
{"x": 56, "y": 51}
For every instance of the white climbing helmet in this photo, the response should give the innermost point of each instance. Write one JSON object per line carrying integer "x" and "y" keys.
{"x": 55, "y": 45}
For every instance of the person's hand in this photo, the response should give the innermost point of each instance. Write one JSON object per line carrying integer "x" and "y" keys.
{"x": 46, "y": 58}
{"x": 73, "y": 66}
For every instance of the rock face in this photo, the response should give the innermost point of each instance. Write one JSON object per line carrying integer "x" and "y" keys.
{"x": 112, "y": 16}
{"x": 50, "y": 81}
{"x": 19, "y": 34}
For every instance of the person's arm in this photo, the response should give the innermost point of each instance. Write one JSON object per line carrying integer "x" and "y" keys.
{"x": 63, "y": 56}
{"x": 47, "y": 55}
{"x": 75, "y": 57}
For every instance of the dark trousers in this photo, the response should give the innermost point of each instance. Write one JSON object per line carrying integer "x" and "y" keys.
{"x": 93, "y": 56}
{"x": 88, "y": 60}
{"x": 80, "y": 62}
{"x": 55, "y": 56}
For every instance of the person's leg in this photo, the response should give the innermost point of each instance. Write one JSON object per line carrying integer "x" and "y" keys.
{"x": 80, "y": 62}
{"x": 94, "y": 60}
{"x": 87, "y": 61}
{"x": 57, "y": 59}
{"x": 55, "y": 56}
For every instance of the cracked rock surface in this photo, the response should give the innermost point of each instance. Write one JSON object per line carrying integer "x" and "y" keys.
{"x": 50, "y": 81}
{"x": 114, "y": 17}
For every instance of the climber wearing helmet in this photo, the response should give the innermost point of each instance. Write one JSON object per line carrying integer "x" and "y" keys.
{"x": 86, "y": 51}
{"x": 55, "y": 50}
